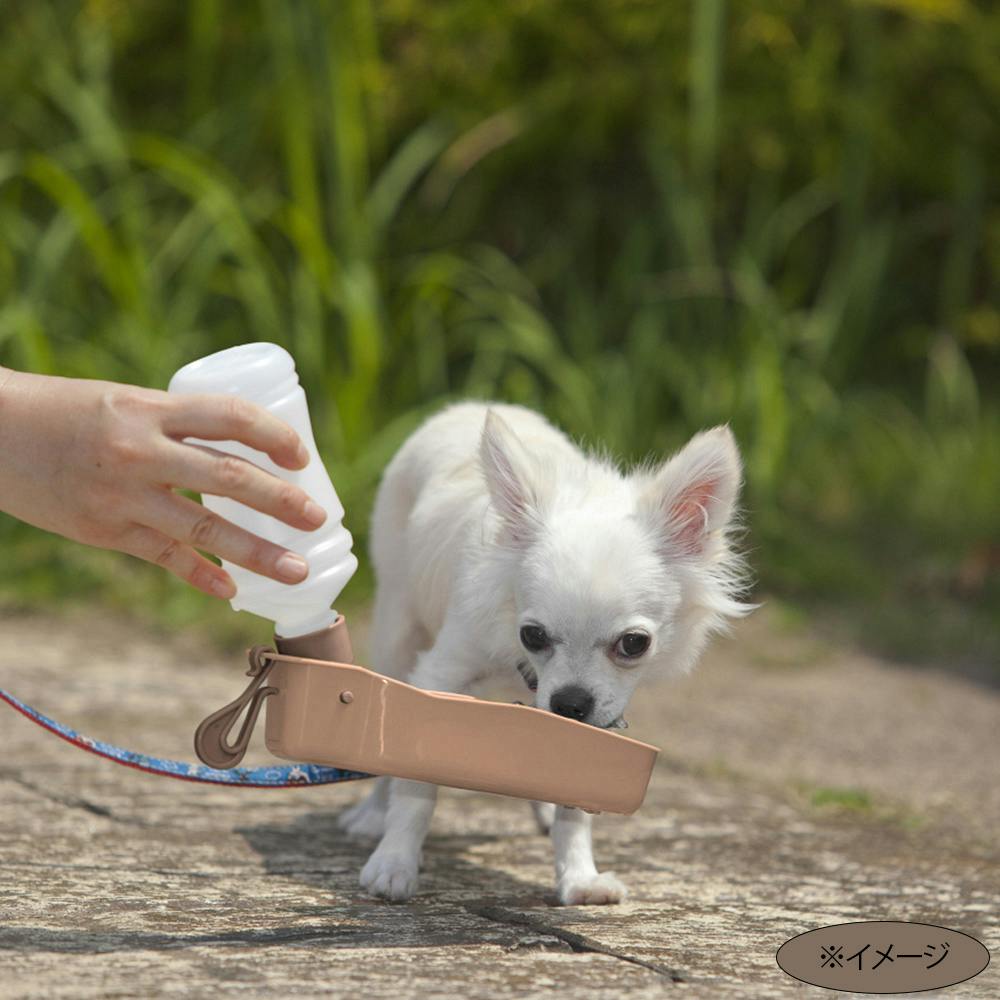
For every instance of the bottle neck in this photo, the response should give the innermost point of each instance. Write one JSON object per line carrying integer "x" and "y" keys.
{"x": 303, "y": 626}
{"x": 331, "y": 643}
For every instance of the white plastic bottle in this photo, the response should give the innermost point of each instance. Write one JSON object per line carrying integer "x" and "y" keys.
{"x": 265, "y": 374}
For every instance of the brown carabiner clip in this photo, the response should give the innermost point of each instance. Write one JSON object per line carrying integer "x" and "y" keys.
{"x": 211, "y": 738}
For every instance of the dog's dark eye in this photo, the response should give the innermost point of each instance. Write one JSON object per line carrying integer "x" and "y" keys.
{"x": 632, "y": 644}
{"x": 534, "y": 638}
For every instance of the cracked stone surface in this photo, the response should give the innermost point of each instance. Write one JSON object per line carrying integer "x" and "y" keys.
{"x": 118, "y": 884}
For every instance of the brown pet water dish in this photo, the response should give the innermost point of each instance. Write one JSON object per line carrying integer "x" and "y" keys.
{"x": 322, "y": 709}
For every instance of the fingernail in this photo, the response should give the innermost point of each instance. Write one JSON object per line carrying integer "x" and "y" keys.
{"x": 223, "y": 587}
{"x": 313, "y": 513}
{"x": 291, "y": 567}
{"x": 302, "y": 455}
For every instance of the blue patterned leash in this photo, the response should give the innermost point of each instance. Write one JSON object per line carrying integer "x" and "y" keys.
{"x": 282, "y": 776}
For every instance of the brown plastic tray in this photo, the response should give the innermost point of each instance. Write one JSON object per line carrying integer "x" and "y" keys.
{"x": 325, "y": 711}
{"x": 350, "y": 717}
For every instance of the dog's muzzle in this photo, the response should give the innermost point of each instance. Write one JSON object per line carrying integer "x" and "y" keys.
{"x": 530, "y": 679}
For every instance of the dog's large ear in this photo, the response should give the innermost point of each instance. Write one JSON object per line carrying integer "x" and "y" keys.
{"x": 693, "y": 494}
{"x": 508, "y": 469}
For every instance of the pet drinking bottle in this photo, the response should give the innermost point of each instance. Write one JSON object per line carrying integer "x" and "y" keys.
{"x": 321, "y": 708}
{"x": 265, "y": 374}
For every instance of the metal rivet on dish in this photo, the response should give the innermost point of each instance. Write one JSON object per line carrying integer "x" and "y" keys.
{"x": 346, "y": 697}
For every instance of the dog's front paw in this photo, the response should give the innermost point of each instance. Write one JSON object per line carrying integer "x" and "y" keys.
{"x": 390, "y": 876}
{"x": 591, "y": 890}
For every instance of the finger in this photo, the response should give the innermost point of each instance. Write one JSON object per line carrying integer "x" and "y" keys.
{"x": 205, "y": 470}
{"x": 181, "y": 560}
{"x": 193, "y": 525}
{"x": 229, "y": 418}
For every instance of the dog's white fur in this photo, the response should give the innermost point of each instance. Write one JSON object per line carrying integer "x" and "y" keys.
{"x": 489, "y": 518}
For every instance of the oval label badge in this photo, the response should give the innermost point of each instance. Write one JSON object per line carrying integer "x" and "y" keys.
{"x": 883, "y": 956}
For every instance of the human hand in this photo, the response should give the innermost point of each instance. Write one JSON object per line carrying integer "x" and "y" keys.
{"x": 100, "y": 462}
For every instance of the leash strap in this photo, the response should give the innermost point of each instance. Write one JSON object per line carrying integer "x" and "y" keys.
{"x": 285, "y": 776}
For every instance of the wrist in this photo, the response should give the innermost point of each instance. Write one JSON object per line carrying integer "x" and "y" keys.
{"x": 29, "y": 452}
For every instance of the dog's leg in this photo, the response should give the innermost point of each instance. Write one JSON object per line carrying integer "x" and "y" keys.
{"x": 392, "y": 870}
{"x": 366, "y": 819}
{"x": 545, "y": 815}
{"x": 577, "y": 878}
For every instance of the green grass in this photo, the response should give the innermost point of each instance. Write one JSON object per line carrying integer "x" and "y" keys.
{"x": 858, "y": 805}
{"x": 639, "y": 223}
{"x": 852, "y": 799}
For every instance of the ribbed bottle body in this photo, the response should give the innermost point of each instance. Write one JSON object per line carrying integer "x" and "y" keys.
{"x": 265, "y": 374}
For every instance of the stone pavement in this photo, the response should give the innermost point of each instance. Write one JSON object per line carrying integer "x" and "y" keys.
{"x": 118, "y": 884}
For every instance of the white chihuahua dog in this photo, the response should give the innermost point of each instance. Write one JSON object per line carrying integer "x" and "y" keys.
{"x": 499, "y": 546}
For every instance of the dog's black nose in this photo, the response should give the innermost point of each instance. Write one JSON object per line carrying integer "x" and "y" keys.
{"x": 572, "y": 701}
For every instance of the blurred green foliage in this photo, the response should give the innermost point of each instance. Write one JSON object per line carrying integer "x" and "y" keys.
{"x": 641, "y": 218}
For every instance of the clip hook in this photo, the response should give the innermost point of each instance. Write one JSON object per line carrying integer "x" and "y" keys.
{"x": 211, "y": 738}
